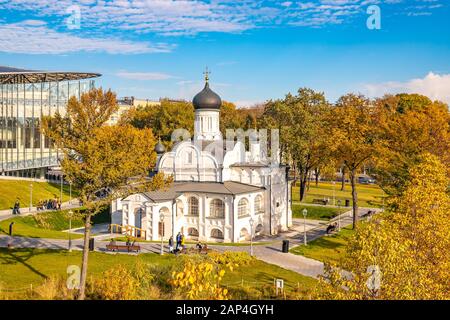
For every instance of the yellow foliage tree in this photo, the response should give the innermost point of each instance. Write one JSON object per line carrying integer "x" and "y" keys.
{"x": 200, "y": 280}
{"x": 402, "y": 254}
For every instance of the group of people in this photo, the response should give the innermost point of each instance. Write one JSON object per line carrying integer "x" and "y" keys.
{"x": 50, "y": 204}
{"x": 332, "y": 227}
{"x": 180, "y": 244}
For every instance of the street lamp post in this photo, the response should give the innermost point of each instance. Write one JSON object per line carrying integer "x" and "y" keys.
{"x": 70, "y": 230}
{"x": 305, "y": 212}
{"x": 251, "y": 221}
{"x": 161, "y": 220}
{"x": 334, "y": 193}
{"x": 339, "y": 215}
{"x": 31, "y": 196}
{"x": 61, "y": 191}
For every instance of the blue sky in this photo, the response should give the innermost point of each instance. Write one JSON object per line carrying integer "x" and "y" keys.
{"x": 256, "y": 50}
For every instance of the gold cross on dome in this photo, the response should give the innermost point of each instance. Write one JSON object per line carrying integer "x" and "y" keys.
{"x": 207, "y": 73}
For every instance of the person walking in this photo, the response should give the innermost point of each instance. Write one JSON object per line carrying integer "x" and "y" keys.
{"x": 178, "y": 238}
{"x": 182, "y": 242}
{"x": 171, "y": 244}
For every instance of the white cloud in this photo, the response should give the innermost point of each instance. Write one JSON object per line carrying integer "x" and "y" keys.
{"x": 144, "y": 75}
{"x": 435, "y": 86}
{"x": 190, "y": 17}
{"x": 37, "y": 38}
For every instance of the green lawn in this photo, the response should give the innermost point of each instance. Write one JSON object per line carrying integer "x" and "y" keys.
{"x": 326, "y": 249}
{"x": 49, "y": 224}
{"x": 22, "y": 267}
{"x": 368, "y": 195}
{"x": 261, "y": 274}
{"x": 10, "y": 190}
{"x": 315, "y": 212}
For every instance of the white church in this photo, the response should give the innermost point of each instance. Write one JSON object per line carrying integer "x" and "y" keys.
{"x": 223, "y": 191}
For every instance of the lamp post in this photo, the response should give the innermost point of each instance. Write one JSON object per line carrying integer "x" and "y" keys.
{"x": 334, "y": 193}
{"x": 305, "y": 212}
{"x": 61, "y": 191}
{"x": 161, "y": 220}
{"x": 70, "y": 230}
{"x": 31, "y": 196}
{"x": 70, "y": 192}
{"x": 339, "y": 214}
{"x": 251, "y": 221}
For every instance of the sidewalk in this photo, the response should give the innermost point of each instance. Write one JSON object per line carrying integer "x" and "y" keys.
{"x": 270, "y": 253}
{"x": 25, "y": 211}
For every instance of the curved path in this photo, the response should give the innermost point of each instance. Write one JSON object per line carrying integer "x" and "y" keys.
{"x": 270, "y": 253}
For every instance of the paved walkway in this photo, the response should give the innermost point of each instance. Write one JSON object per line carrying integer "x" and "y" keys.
{"x": 6, "y": 214}
{"x": 270, "y": 253}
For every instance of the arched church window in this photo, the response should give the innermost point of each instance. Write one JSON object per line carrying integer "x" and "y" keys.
{"x": 217, "y": 234}
{"x": 193, "y": 206}
{"x": 217, "y": 209}
{"x": 243, "y": 207}
{"x": 192, "y": 232}
{"x": 259, "y": 208}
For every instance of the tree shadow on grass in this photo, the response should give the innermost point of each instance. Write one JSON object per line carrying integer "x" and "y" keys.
{"x": 21, "y": 256}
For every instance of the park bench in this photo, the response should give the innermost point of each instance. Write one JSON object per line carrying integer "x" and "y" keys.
{"x": 131, "y": 248}
{"x": 320, "y": 201}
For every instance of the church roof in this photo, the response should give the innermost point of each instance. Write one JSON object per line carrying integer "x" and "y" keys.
{"x": 207, "y": 99}
{"x": 226, "y": 188}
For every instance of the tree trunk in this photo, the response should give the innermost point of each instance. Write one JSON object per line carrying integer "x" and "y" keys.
{"x": 316, "y": 173}
{"x": 354, "y": 197}
{"x": 303, "y": 184}
{"x": 343, "y": 179}
{"x": 84, "y": 264}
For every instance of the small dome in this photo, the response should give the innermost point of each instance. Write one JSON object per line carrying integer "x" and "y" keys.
{"x": 207, "y": 99}
{"x": 159, "y": 148}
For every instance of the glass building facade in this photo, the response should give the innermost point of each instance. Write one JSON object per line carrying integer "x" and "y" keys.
{"x": 25, "y": 97}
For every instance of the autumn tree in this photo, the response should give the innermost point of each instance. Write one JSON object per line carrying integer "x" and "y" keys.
{"x": 303, "y": 138}
{"x": 352, "y": 126}
{"x": 402, "y": 254}
{"x": 99, "y": 159}
{"x": 409, "y": 125}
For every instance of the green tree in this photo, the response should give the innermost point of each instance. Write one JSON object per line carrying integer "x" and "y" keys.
{"x": 301, "y": 120}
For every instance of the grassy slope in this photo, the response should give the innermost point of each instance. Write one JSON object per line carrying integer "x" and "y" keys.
{"x": 23, "y": 267}
{"x": 10, "y": 190}
{"x": 368, "y": 195}
{"x": 326, "y": 249}
{"x": 48, "y": 224}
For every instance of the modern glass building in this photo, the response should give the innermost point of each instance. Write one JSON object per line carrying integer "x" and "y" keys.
{"x": 25, "y": 97}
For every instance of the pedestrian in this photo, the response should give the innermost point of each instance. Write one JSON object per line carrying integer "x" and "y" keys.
{"x": 182, "y": 242}
{"x": 16, "y": 207}
{"x": 171, "y": 244}
{"x": 177, "y": 247}
{"x": 11, "y": 228}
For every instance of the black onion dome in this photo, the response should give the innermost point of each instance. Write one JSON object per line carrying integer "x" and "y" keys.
{"x": 159, "y": 148}
{"x": 207, "y": 99}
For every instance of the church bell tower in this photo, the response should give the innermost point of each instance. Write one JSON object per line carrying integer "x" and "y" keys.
{"x": 207, "y": 105}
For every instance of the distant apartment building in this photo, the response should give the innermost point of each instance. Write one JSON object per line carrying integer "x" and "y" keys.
{"x": 126, "y": 103}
